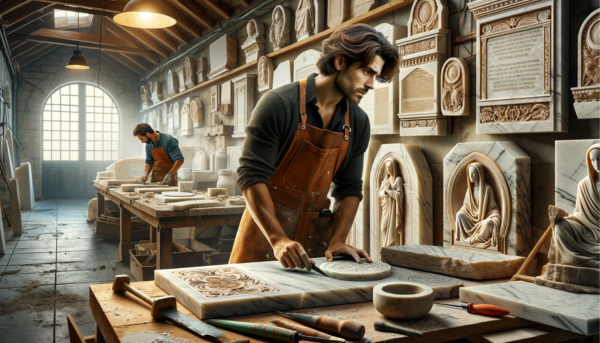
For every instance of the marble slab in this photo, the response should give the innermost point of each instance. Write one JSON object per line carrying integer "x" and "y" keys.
{"x": 129, "y": 168}
{"x": 15, "y": 219}
{"x": 305, "y": 64}
{"x": 131, "y": 187}
{"x": 461, "y": 263}
{"x": 9, "y": 140}
{"x": 569, "y": 169}
{"x": 178, "y": 194}
{"x": 233, "y": 157}
{"x": 352, "y": 271}
{"x": 282, "y": 75}
{"x": 24, "y": 177}
{"x": 186, "y": 205}
{"x": 157, "y": 190}
{"x": 186, "y": 186}
{"x": 276, "y": 288}
{"x": 167, "y": 199}
{"x": 579, "y": 313}
{"x": 244, "y": 102}
{"x": 7, "y": 159}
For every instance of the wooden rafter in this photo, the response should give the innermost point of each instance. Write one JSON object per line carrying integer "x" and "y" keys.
{"x": 36, "y": 54}
{"x": 164, "y": 38}
{"x": 23, "y": 49}
{"x": 145, "y": 39}
{"x": 83, "y": 10}
{"x": 144, "y": 64}
{"x": 111, "y": 6}
{"x": 16, "y": 43}
{"x": 119, "y": 58}
{"x": 11, "y": 5}
{"x": 83, "y": 37}
{"x": 29, "y": 20}
{"x": 220, "y": 9}
{"x": 23, "y": 12}
{"x": 176, "y": 33}
{"x": 195, "y": 11}
{"x": 244, "y": 3}
{"x": 118, "y": 30}
{"x": 119, "y": 66}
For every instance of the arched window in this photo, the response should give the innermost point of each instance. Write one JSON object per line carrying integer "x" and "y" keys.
{"x": 80, "y": 123}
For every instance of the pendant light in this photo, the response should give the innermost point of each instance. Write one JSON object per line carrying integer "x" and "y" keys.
{"x": 77, "y": 61}
{"x": 145, "y": 14}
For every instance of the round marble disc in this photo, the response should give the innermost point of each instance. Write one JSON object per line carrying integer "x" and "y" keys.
{"x": 178, "y": 194}
{"x": 351, "y": 271}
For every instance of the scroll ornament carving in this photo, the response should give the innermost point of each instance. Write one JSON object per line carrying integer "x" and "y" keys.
{"x": 407, "y": 124}
{"x": 591, "y": 52}
{"x": 452, "y": 88}
{"x": 419, "y": 60}
{"x": 515, "y": 113}
{"x": 421, "y": 46}
{"x": 425, "y": 17}
{"x": 515, "y": 22}
{"x": 220, "y": 282}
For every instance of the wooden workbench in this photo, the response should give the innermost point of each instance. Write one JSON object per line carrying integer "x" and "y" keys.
{"x": 161, "y": 219}
{"x": 125, "y": 318}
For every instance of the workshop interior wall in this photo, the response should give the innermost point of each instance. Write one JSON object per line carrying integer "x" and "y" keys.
{"x": 7, "y": 87}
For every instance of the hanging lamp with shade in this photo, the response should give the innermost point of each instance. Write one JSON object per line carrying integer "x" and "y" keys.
{"x": 77, "y": 61}
{"x": 145, "y": 14}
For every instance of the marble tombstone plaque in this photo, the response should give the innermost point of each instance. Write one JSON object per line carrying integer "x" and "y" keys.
{"x": 244, "y": 102}
{"x": 309, "y": 18}
{"x": 305, "y": 64}
{"x": 164, "y": 111}
{"x": 400, "y": 198}
{"x": 227, "y": 98}
{"x": 157, "y": 95}
{"x": 201, "y": 70}
{"x": 215, "y": 99}
{"x": 172, "y": 83}
{"x": 185, "y": 120}
{"x": 381, "y": 103}
{"x": 279, "y": 33}
{"x": 189, "y": 71}
{"x": 200, "y": 162}
{"x": 170, "y": 120}
{"x": 145, "y": 96}
{"x": 177, "y": 114}
{"x": 265, "y": 74}
{"x": 455, "y": 87}
{"x": 196, "y": 112}
{"x": 181, "y": 78}
{"x": 362, "y": 6}
{"x": 487, "y": 201}
{"x": 574, "y": 312}
{"x": 24, "y": 177}
{"x": 423, "y": 52}
{"x": 265, "y": 286}
{"x": 520, "y": 64}
{"x": 223, "y": 55}
{"x": 587, "y": 92}
{"x": 282, "y": 75}
{"x": 254, "y": 46}
{"x": 337, "y": 12}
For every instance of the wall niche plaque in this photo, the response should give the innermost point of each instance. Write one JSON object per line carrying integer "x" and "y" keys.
{"x": 172, "y": 83}
{"x": 170, "y": 120}
{"x": 305, "y": 64}
{"x": 145, "y": 96}
{"x": 177, "y": 106}
{"x": 254, "y": 46}
{"x": 244, "y": 102}
{"x": 201, "y": 70}
{"x": 520, "y": 83}
{"x": 197, "y": 112}
{"x": 455, "y": 87}
{"x": 189, "y": 71}
{"x": 223, "y": 55}
{"x": 226, "y": 98}
{"x": 164, "y": 114}
{"x": 185, "y": 120}
{"x": 181, "y": 79}
{"x": 423, "y": 53}
{"x": 215, "y": 99}
{"x": 282, "y": 75}
{"x": 265, "y": 74}
{"x": 156, "y": 92}
{"x": 337, "y": 12}
{"x": 587, "y": 92}
{"x": 279, "y": 33}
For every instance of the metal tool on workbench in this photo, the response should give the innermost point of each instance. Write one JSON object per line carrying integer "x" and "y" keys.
{"x": 347, "y": 329}
{"x": 317, "y": 269}
{"x": 383, "y": 326}
{"x": 165, "y": 308}
{"x": 269, "y": 332}
{"x": 483, "y": 309}
{"x": 304, "y": 330}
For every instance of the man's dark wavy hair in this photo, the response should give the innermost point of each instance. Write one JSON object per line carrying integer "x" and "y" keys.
{"x": 142, "y": 129}
{"x": 359, "y": 43}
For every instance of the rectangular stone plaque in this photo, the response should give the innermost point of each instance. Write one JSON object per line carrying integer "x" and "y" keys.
{"x": 418, "y": 92}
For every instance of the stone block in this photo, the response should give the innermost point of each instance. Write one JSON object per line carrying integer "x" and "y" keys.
{"x": 24, "y": 177}
{"x": 186, "y": 186}
{"x": 15, "y": 219}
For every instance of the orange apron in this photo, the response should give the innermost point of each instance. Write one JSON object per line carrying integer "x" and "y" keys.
{"x": 162, "y": 166}
{"x": 299, "y": 189}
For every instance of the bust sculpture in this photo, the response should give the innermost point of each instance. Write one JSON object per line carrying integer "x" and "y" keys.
{"x": 391, "y": 197}
{"x": 576, "y": 239}
{"x": 305, "y": 19}
{"x": 478, "y": 220}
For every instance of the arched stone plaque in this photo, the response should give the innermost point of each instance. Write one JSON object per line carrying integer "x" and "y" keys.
{"x": 265, "y": 74}
{"x": 455, "y": 87}
{"x": 197, "y": 112}
{"x": 279, "y": 33}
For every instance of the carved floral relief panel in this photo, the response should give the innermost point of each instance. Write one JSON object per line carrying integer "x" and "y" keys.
{"x": 455, "y": 87}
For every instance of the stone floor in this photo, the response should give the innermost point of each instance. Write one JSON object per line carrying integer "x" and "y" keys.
{"x": 46, "y": 273}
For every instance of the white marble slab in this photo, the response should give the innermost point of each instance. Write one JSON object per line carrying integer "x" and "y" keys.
{"x": 166, "y": 199}
{"x": 15, "y": 219}
{"x": 130, "y": 187}
{"x": 515, "y": 165}
{"x": 7, "y": 159}
{"x": 157, "y": 190}
{"x": 9, "y": 140}
{"x": 129, "y": 168}
{"x": 291, "y": 289}
{"x": 186, "y": 186}
{"x": 282, "y": 75}
{"x": 352, "y": 271}
{"x": 233, "y": 157}
{"x": 305, "y": 64}
{"x": 576, "y": 312}
{"x": 186, "y": 205}
{"x": 570, "y": 167}
{"x": 24, "y": 177}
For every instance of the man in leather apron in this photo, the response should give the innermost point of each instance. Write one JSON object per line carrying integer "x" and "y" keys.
{"x": 303, "y": 138}
{"x": 163, "y": 156}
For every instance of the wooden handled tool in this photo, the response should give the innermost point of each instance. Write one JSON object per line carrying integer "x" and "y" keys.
{"x": 483, "y": 309}
{"x": 304, "y": 330}
{"x": 268, "y": 332}
{"x": 383, "y": 326}
{"x": 347, "y": 328}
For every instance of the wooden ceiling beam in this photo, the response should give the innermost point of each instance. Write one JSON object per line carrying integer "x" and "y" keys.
{"x": 195, "y": 11}
{"x": 119, "y": 66}
{"x": 23, "y": 49}
{"x": 111, "y": 6}
{"x": 31, "y": 19}
{"x": 33, "y": 51}
{"x": 144, "y": 64}
{"x": 145, "y": 39}
{"x": 75, "y": 37}
{"x": 244, "y": 3}
{"x": 118, "y": 30}
{"x": 164, "y": 38}
{"x": 23, "y": 12}
{"x": 13, "y": 44}
{"x": 221, "y": 10}
{"x": 126, "y": 62}
{"x": 176, "y": 33}
{"x": 38, "y": 54}
{"x": 83, "y": 10}
{"x": 11, "y": 5}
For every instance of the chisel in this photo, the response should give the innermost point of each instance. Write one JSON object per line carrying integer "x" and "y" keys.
{"x": 347, "y": 329}
{"x": 304, "y": 330}
{"x": 383, "y": 326}
{"x": 269, "y": 332}
{"x": 165, "y": 308}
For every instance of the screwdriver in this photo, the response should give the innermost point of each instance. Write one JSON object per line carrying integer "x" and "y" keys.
{"x": 483, "y": 309}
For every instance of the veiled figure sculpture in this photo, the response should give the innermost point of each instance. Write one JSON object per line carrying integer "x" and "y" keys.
{"x": 305, "y": 18}
{"x": 391, "y": 196}
{"x": 576, "y": 239}
{"x": 478, "y": 220}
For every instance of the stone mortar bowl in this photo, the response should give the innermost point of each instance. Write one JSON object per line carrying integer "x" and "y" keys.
{"x": 403, "y": 300}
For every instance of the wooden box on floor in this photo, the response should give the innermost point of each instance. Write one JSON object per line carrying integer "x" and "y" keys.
{"x": 182, "y": 257}
{"x": 112, "y": 230}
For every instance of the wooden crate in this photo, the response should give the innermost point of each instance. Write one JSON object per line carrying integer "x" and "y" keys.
{"x": 182, "y": 257}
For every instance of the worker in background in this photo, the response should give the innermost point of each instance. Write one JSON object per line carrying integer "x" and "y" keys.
{"x": 301, "y": 138}
{"x": 163, "y": 156}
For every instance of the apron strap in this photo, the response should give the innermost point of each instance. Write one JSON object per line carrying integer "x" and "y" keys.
{"x": 303, "y": 103}
{"x": 347, "y": 128}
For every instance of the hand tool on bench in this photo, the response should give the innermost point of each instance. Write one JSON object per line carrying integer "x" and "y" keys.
{"x": 165, "y": 308}
{"x": 483, "y": 309}
{"x": 347, "y": 328}
{"x": 304, "y": 330}
{"x": 317, "y": 269}
{"x": 268, "y": 332}
{"x": 383, "y": 326}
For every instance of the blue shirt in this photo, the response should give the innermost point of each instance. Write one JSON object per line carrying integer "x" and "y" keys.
{"x": 171, "y": 145}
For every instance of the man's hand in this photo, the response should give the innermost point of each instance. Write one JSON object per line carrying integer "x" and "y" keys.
{"x": 337, "y": 248}
{"x": 167, "y": 179}
{"x": 291, "y": 254}
{"x": 144, "y": 178}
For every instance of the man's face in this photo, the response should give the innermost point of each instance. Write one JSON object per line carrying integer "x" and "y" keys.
{"x": 355, "y": 81}
{"x": 144, "y": 139}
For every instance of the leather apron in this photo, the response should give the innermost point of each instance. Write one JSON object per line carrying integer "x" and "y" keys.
{"x": 299, "y": 189}
{"x": 162, "y": 166}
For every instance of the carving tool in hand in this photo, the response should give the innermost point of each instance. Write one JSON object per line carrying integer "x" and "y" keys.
{"x": 317, "y": 269}
{"x": 165, "y": 308}
{"x": 269, "y": 332}
{"x": 483, "y": 309}
{"x": 383, "y": 326}
{"x": 304, "y": 330}
{"x": 347, "y": 329}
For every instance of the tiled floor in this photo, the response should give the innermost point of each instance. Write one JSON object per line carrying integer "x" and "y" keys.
{"x": 47, "y": 271}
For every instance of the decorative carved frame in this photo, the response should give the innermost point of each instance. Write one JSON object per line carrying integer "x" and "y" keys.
{"x": 436, "y": 21}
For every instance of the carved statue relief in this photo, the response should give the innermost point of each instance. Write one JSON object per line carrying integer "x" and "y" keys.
{"x": 189, "y": 67}
{"x": 145, "y": 95}
{"x": 391, "y": 200}
{"x": 455, "y": 87}
{"x": 427, "y": 15}
{"x": 279, "y": 33}
{"x": 196, "y": 112}
{"x": 309, "y": 18}
{"x": 265, "y": 74}
{"x": 478, "y": 204}
{"x": 172, "y": 83}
